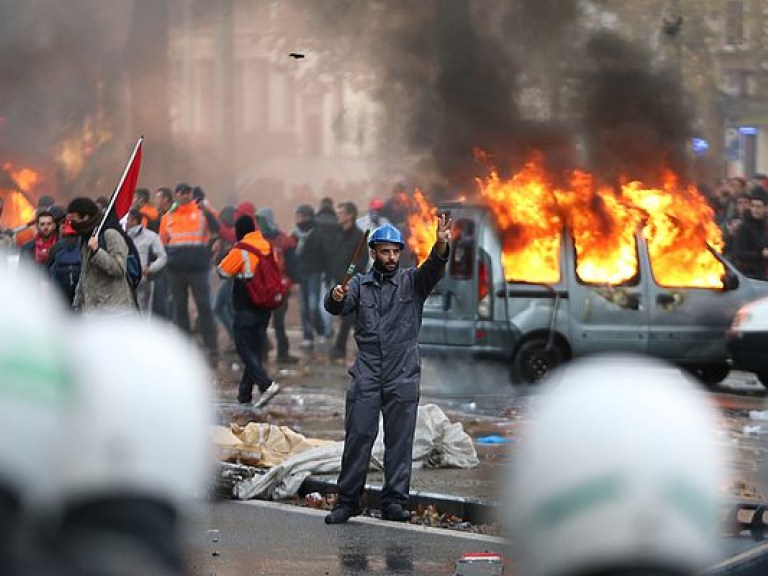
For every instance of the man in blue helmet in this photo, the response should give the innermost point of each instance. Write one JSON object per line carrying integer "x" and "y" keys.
{"x": 389, "y": 302}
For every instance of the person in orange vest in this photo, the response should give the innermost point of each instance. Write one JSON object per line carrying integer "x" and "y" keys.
{"x": 186, "y": 231}
{"x": 150, "y": 217}
{"x": 250, "y": 324}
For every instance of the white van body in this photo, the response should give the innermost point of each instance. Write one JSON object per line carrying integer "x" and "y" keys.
{"x": 533, "y": 327}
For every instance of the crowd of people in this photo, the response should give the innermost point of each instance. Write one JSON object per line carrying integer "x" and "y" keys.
{"x": 179, "y": 240}
{"x": 740, "y": 211}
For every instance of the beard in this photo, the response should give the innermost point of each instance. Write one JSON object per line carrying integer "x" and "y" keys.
{"x": 384, "y": 268}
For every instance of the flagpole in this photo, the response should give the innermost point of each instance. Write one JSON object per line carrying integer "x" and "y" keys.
{"x": 117, "y": 188}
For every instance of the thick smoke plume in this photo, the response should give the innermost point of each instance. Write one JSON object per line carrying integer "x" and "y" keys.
{"x": 634, "y": 121}
{"x": 458, "y": 75}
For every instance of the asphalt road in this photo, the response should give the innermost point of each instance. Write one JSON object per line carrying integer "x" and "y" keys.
{"x": 253, "y": 538}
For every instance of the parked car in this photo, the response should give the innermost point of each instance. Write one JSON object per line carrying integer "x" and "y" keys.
{"x": 747, "y": 339}
{"x": 532, "y": 327}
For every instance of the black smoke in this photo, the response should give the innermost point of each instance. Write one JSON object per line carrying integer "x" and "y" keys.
{"x": 635, "y": 121}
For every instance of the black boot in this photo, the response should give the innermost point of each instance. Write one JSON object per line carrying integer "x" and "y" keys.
{"x": 395, "y": 512}
{"x": 340, "y": 515}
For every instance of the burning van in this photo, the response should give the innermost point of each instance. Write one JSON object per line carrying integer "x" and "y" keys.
{"x": 583, "y": 273}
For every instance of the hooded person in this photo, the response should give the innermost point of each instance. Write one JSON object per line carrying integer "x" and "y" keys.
{"x": 103, "y": 283}
{"x": 250, "y": 322}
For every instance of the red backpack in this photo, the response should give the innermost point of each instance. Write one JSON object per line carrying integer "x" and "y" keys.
{"x": 266, "y": 287}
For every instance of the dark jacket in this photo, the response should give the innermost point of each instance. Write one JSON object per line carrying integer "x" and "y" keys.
{"x": 748, "y": 244}
{"x": 389, "y": 312}
{"x": 311, "y": 251}
{"x": 343, "y": 250}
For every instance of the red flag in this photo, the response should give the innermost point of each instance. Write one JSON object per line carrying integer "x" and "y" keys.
{"x": 122, "y": 197}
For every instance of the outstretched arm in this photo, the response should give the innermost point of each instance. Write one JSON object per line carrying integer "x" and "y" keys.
{"x": 431, "y": 270}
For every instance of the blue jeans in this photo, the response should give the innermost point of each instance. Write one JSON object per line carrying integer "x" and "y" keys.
{"x": 250, "y": 329}
{"x": 311, "y": 320}
{"x": 222, "y": 306}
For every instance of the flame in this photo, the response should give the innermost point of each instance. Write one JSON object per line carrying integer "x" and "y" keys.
{"x": 531, "y": 213}
{"x": 18, "y": 210}
{"x": 422, "y": 225}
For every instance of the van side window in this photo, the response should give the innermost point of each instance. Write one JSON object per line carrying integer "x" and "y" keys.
{"x": 463, "y": 247}
{"x": 608, "y": 272}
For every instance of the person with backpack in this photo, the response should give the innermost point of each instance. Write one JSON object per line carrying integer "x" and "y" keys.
{"x": 248, "y": 262}
{"x": 284, "y": 247}
{"x": 152, "y": 255}
{"x": 104, "y": 284}
{"x": 64, "y": 262}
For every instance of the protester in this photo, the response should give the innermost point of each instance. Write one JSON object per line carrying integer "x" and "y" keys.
{"x": 343, "y": 250}
{"x": 324, "y": 236}
{"x": 250, "y": 325}
{"x": 163, "y": 201}
{"x": 64, "y": 262}
{"x": 103, "y": 283}
{"x": 374, "y": 218}
{"x": 750, "y": 245}
{"x": 619, "y": 470}
{"x": 162, "y": 303}
{"x": 47, "y": 235}
{"x": 284, "y": 247}
{"x": 150, "y": 217}
{"x": 389, "y": 303}
{"x": 311, "y": 254}
{"x": 222, "y": 305}
{"x": 151, "y": 253}
{"x": 186, "y": 232}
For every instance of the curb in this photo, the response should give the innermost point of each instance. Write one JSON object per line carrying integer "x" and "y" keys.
{"x": 468, "y": 509}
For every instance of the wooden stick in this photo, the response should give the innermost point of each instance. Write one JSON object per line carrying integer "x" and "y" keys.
{"x": 353, "y": 263}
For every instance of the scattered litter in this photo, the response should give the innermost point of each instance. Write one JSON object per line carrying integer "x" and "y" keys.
{"x": 298, "y": 400}
{"x": 314, "y": 500}
{"x": 235, "y": 367}
{"x": 758, "y": 414}
{"x": 752, "y": 430}
{"x": 469, "y": 407}
{"x": 493, "y": 439}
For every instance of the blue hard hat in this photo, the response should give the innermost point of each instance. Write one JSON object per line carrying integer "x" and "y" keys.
{"x": 386, "y": 233}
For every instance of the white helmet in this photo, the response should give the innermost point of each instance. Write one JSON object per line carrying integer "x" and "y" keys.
{"x": 619, "y": 467}
{"x": 141, "y": 424}
{"x": 36, "y": 384}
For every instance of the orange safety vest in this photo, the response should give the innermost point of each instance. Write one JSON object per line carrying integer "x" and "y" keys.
{"x": 148, "y": 214}
{"x": 185, "y": 225}
{"x": 241, "y": 263}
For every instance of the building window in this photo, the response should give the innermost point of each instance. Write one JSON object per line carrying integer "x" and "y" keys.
{"x": 734, "y": 23}
{"x": 735, "y": 82}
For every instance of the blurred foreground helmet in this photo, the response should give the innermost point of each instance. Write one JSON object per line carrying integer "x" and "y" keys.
{"x": 137, "y": 451}
{"x": 35, "y": 391}
{"x": 618, "y": 469}
{"x": 386, "y": 234}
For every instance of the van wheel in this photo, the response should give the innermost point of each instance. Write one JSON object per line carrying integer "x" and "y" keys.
{"x": 534, "y": 360}
{"x": 711, "y": 375}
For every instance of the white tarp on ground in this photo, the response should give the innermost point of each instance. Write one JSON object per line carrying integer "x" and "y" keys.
{"x": 437, "y": 443}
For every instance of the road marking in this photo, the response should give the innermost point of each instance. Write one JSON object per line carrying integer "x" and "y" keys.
{"x": 377, "y": 522}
